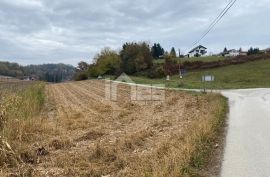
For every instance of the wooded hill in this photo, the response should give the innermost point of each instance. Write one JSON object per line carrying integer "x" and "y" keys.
{"x": 44, "y": 72}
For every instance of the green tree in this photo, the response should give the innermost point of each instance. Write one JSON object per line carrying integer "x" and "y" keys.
{"x": 240, "y": 50}
{"x": 106, "y": 62}
{"x": 253, "y": 51}
{"x": 160, "y": 50}
{"x": 82, "y": 66}
{"x": 135, "y": 57}
{"x": 154, "y": 51}
{"x": 157, "y": 51}
{"x": 225, "y": 50}
{"x": 173, "y": 53}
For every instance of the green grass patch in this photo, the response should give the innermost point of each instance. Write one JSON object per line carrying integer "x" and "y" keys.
{"x": 248, "y": 75}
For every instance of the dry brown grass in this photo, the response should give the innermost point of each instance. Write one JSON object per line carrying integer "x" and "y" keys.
{"x": 20, "y": 127}
{"x": 92, "y": 136}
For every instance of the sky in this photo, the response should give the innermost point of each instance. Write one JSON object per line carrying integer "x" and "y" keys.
{"x": 68, "y": 31}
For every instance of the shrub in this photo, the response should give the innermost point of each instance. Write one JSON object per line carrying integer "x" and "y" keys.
{"x": 156, "y": 71}
{"x": 81, "y": 76}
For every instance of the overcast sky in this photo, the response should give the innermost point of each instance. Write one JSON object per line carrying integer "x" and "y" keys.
{"x": 47, "y": 31}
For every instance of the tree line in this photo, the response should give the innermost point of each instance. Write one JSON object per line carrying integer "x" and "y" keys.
{"x": 134, "y": 57}
{"x": 45, "y": 72}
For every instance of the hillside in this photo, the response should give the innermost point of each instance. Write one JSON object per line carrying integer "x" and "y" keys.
{"x": 248, "y": 75}
{"x": 204, "y": 59}
{"x": 45, "y": 72}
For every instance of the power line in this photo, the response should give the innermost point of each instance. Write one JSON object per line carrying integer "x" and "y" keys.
{"x": 213, "y": 24}
{"x": 215, "y": 21}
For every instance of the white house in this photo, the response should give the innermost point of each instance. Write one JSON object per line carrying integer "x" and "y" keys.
{"x": 265, "y": 51}
{"x": 197, "y": 51}
{"x": 232, "y": 53}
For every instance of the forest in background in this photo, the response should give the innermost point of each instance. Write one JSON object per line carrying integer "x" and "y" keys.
{"x": 44, "y": 72}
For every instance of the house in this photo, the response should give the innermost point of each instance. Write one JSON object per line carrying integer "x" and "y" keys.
{"x": 232, "y": 53}
{"x": 265, "y": 51}
{"x": 197, "y": 51}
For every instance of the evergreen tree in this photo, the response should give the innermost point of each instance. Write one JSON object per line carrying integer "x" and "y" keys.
{"x": 157, "y": 51}
{"x": 225, "y": 50}
{"x": 256, "y": 51}
{"x": 253, "y": 51}
{"x": 173, "y": 52}
{"x": 154, "y": 51}
{"x": 250, "y": 51}
{"x": 160, "y": 50}
{"x": 240, "y": 50}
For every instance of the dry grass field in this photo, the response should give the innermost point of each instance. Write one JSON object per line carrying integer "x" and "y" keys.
{"x": 80, "y": 133}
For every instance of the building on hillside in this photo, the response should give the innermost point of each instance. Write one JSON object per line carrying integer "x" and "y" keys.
{"x": 265, "y": 51}
{"x": 243, "y": 53}
{"x": 232, "y": 53}
{"x": 197, "y": 51}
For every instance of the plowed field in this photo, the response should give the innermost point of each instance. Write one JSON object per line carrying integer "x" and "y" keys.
{"x": 93, "y": 136}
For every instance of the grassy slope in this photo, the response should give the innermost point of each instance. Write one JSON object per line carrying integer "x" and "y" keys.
{"x": 249, "y": 75}
{"x": 206, "y": 59}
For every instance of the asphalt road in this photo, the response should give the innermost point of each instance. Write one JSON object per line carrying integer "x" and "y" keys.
{"x": 247, "y": 149}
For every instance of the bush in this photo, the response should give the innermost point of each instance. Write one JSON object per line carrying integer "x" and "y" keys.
{"x": 170, "y": 59}
{"x": 81, "y": 76}
{"x": 156, "y": 71}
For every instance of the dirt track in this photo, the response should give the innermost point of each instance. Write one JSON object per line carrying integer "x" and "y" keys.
{"x": 94, "y": 136}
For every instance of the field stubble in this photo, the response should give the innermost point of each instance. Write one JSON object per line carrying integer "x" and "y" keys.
{"x": 98, "y": 137}
{"x": 87, "y": 135}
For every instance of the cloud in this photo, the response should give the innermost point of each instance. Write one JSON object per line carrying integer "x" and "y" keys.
{"x": 42, "y": 31}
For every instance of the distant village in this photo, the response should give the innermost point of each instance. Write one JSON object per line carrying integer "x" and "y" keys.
{"x": 201, "y": 51}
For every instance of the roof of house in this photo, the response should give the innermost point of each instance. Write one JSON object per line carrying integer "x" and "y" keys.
{"x": 200, "y": 46}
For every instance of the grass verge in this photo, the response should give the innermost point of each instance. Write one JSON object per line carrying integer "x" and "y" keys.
{"x": 20, "y": 126}
{"x": 188, "y": 154}
{"x": 254, "y": 74}
{"x": 204, "y": 136}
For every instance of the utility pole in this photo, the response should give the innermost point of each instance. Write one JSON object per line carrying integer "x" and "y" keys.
{"x": 180, "y": 74}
